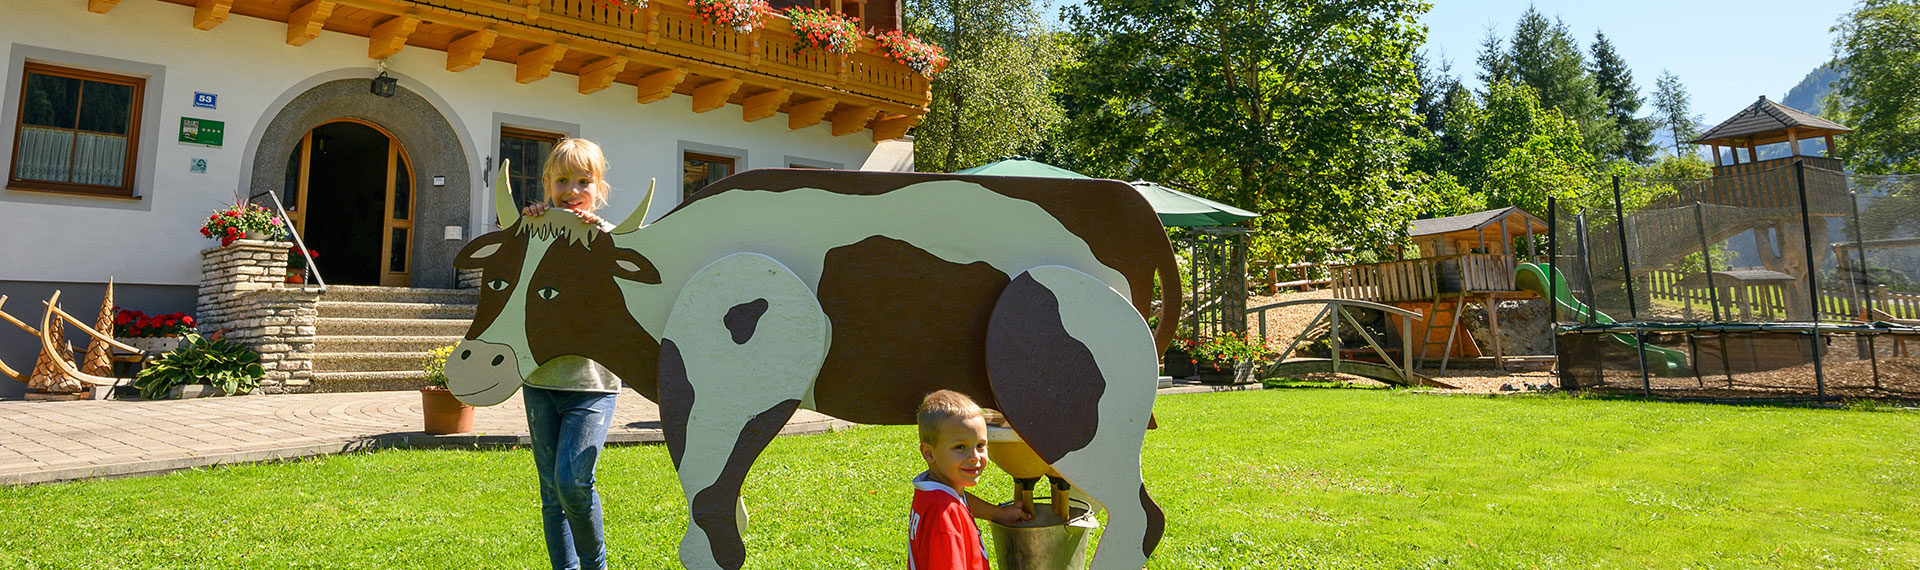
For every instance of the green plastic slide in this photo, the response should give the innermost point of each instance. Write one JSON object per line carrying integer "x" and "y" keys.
{"x": 1532, "y": 277}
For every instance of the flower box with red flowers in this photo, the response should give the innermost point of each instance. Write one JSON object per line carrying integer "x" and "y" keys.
{"x": 242, "y": 221}
{"x": 743, "y": 16}
{"x": 152, "y": 333}
{"x": 825, "y": 30}
{"x": 902, "y": 47}
{"x": 1221, "y": 357}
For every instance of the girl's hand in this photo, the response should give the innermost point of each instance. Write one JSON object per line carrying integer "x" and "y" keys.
{"x": 586, "y": 217}
{"x": 534, "y": 209}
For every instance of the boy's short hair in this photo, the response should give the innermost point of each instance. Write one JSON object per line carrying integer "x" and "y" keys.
{"x": 941, "y": 406}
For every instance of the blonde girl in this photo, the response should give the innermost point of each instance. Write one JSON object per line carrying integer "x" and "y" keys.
{"x": 570, "y": 402}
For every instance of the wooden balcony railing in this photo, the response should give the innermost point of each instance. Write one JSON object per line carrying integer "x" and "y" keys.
{"x": 1421, "y": 279}
{"x": 670, "y": 28}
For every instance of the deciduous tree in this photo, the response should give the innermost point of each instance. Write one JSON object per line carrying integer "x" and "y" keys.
{"x": 995, "y": 97}
{"x": 1879, "y": 44}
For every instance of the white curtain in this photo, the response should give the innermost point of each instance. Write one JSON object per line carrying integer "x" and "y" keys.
{"x": 100, "y": 159}
{"x": 45, "y": 154}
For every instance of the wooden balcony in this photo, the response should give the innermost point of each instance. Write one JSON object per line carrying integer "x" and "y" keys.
{"x": 1422, "y": 279}
{"x": 659, "y": 50}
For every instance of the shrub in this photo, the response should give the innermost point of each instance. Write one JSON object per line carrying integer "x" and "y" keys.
{"x": 232, "y": 368}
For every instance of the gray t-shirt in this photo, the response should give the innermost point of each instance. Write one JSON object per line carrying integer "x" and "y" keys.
{"x": 574, "y": 374}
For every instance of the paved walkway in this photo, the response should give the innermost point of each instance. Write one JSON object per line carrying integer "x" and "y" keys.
{"x": 42, "y": 442}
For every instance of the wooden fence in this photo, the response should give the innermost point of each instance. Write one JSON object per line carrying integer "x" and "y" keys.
{"x": 1769, "y": 302}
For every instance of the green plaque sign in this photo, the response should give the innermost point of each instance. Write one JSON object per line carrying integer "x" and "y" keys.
{"x": 202, "y": 131}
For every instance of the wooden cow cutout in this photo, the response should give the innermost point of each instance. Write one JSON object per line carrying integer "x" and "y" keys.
{"x": 853, "y": 294}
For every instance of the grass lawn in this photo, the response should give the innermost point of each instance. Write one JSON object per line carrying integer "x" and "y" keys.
{"x": 1278, "y": 478}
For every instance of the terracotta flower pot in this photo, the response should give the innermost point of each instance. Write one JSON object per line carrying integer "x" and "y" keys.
{"x": 444, "y": 413}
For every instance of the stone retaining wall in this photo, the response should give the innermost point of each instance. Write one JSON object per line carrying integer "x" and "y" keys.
{"x": 243, "y": 291}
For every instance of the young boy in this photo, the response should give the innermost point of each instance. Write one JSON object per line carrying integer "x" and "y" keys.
{"x": 940, "y": 531}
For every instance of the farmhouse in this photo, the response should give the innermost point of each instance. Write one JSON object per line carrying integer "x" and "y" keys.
{"x": 379, "y": 124}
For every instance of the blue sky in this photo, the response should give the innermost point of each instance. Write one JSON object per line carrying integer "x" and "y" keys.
{"x": 1727, "y": 52}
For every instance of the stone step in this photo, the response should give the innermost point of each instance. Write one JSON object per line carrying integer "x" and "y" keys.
{"x": 363, "y": 293}
{"x": 391, "y": 327}
{"x": 368, "y": 381}
{"x": 381, "y": 343}
{"x": 369, "y": 361}
{"x": 384, "y": 310}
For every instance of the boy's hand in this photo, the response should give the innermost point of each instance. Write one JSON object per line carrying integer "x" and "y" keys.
{"x": 1011, "y": 515}
{"x": 534, "y": 209}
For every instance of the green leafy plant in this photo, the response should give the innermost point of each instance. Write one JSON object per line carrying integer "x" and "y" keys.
{"x": 436, "y": 366}
{"x": 232, "y": 368}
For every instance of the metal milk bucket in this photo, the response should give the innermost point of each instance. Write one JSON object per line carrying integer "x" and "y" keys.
{"x": 1045, "y": 543}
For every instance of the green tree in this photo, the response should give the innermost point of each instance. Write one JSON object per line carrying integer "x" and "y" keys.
{"x": 1673, "y": 110}
{"x": 1878, "y": 44}
{"x": 1298, "y": 110}
{"x": 1544, "y": 55}
{"x": 1614, "y": 81}
{"x": 1523, "y": 152}
{"x": 995, "y": 97}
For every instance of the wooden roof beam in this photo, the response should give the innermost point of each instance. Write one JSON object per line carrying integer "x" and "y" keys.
{"x": 305, "y": 22}
{"x": 101, "y": 6}
{"x": 765, "y": 104}
{"x": 892, "y": 127}
{"x": 599, "y": 74}
{"x": 714, "y": 95}
{"x": 210, "y": 13}
{"x": 535, "y": 64}
{"x": 852, "y": 119}
{"x": 390, "y": 36}
{"x": 658, "y": 85}
{"x": 466, "y": 52}
{"x": 803, "y": 115}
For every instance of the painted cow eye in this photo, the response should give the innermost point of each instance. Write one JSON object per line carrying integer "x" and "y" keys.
{"x": 549, "y": 293}
{"x": 498, "y": 284}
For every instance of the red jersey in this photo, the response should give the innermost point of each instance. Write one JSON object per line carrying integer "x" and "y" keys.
{"x": 940, "y": 531}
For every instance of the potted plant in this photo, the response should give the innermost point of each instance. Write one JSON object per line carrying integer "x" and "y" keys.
{"x": 902, "y": 47}
{"x": 1228, "y": 358}
{"x": 250, "y": 221}
{"x": 222, "y": 367}
{"x": 154, "y": 334}
{"x": 825, "y": 30}
{"x": 1178, "y": 361}
{"x": 297, "y": 264}
{"x": 743, "y": 16}
{"x": 443, "y": 413}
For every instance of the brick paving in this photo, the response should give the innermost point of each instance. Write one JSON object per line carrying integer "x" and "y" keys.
{"x": 42, "y": 442}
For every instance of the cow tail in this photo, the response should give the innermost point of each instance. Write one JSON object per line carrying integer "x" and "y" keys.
{"x": 1170, "y": 296}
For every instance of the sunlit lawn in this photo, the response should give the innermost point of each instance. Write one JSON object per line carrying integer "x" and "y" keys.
{"x": 1279, "y": 478}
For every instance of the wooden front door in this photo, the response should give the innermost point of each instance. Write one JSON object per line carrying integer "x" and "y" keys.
{"x": 350, "y": 190}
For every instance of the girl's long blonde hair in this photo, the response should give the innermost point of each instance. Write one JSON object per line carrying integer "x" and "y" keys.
{"x": 576, "y": 155}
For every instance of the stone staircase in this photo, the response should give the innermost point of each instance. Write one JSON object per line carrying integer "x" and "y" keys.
{"x": 375, "y": 338}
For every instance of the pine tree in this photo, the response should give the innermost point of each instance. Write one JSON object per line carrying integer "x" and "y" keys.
{"x": 1614, "y": 82}
{"x": 1673, "y": 110}
{"x": 1545, "y": 56}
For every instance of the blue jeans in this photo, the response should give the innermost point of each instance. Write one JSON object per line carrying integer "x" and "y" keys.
{"x": 568, "y": 430}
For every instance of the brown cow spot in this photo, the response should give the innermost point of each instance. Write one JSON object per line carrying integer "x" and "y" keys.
{"x": 1047, "y": 382}
{"x": 713, "y": 507}
{"x": 743, "y": 318}
{"x": 676, "y": 400}
{"x": 574, "y": 306}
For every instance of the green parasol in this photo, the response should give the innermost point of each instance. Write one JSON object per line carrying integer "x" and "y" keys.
{"x": 1175, "y": 208}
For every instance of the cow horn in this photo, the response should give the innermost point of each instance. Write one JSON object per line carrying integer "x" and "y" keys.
{"x": 503, "y": 198}
{"x": 639, "y": 216}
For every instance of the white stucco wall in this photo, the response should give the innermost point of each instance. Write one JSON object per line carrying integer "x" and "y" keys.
{"x": 247, "y": 63}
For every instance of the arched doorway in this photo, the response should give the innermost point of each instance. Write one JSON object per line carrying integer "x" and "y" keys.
{"x": 350, "y": 190}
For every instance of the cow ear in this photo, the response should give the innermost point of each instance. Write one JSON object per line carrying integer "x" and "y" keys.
{"x": 479, "y": 251}
{"x": 630, "y": 265}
